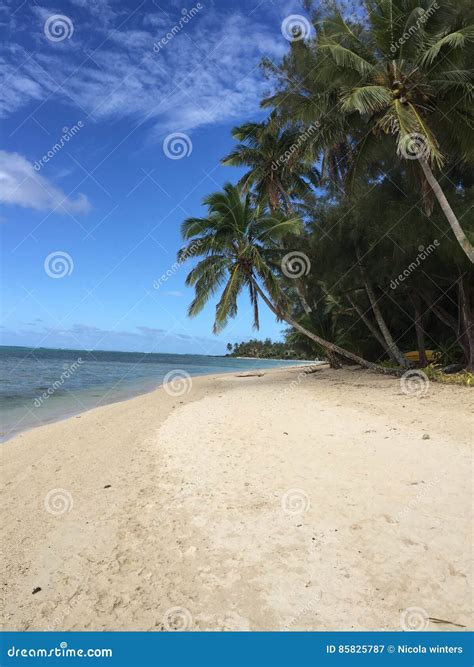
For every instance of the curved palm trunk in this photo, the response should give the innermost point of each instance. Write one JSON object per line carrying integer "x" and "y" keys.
{"x": 447, "y": 210}
{"x": 330, "y": 347}
{"x": 363, "y": 317}
{"x": 391, "y": 344}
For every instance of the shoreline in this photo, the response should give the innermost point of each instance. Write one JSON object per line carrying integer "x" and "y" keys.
{"x": 70, "y": 412}
{"x": 278, "y": 501}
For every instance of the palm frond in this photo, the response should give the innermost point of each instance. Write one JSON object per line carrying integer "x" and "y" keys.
{"x": 366, "y": 99}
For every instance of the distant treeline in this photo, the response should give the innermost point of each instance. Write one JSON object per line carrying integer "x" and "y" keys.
{"x": 263, "y": 349}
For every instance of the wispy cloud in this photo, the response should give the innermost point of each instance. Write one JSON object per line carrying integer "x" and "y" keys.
{"x": 20, "y": 184}
{"x": 207, "y": 73}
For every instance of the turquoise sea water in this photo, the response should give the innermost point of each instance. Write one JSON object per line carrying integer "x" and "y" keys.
{"x": 42, "y": 385}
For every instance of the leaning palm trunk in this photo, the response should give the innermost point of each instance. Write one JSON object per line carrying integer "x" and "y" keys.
{"x": 395, "y": 351}
{"x": 371, "y": 327}
{"x": 391, "y": 344}
{"x": 447, "y": 210}
{"x": 330, "y": 347}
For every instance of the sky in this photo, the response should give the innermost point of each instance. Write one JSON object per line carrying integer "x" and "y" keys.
{"x": 114, "y": 117}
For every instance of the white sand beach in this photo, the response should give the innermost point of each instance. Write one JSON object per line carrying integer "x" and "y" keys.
{"x": 321, "y": 502}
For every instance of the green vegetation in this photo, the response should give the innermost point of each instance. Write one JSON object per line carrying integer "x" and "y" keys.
{"x": 263, "y": 349}
{"x": 353, "y": 218}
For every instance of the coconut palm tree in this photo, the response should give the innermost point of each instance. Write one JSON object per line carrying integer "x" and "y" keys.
{"x": 277, "y": 171}
{"x": 304, "y": 100}
{"x": 408, "y": 75}
{"x": 234, "y": 240}
{"x": 403, "y": 73}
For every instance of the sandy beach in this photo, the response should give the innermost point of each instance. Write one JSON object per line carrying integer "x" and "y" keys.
{"x": 276, "y": 501}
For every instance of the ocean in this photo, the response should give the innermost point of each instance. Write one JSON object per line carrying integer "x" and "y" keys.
{"x": 40, "y": 385}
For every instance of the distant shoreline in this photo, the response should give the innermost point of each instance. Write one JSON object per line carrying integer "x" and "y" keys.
{"x": 294, "y": 361}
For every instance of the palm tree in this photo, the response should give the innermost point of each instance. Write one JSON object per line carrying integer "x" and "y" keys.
{"x": 408, "y": 75}
{"x": 234, "y": 240}
{"x": 402, "y": 71}
{"x": 277, "y": 173}
{"x": 306, "y": 101}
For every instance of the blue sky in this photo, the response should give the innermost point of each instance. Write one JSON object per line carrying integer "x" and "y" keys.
{"x": 87, "y": 231}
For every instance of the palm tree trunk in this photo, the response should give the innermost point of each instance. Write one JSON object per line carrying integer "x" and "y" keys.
{"x": 393, "y": 347}
{"x": 466, "y": 318}
{"x": 330, "y": 347}
{"x": 372, "y": 329}
{"x": 448, "y": 320}
{"x": 420, "y": 334}
{"x": 447, "y": 210}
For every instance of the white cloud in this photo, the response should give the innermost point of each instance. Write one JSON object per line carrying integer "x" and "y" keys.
{"x": 20, "y": 184}
{"x": 207, "y": 73}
